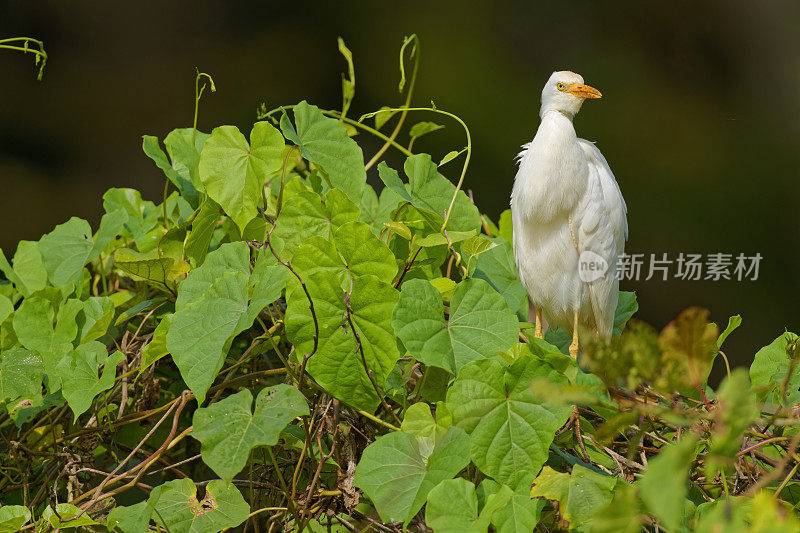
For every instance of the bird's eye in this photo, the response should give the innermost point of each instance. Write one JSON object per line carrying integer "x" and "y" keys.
{"x": 560, "y": 86}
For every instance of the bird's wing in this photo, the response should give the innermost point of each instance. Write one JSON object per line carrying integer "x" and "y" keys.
{"x": 612, "y": 196}
{"x": 601, "y": 229}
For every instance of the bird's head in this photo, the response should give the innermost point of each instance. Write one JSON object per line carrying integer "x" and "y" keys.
{"x": 565, "y": 92}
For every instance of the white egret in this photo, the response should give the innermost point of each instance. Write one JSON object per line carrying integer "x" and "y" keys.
{"x": 568, "y": 217}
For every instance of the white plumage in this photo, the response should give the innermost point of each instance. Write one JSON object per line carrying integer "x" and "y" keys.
{"x": 567, "y": 206}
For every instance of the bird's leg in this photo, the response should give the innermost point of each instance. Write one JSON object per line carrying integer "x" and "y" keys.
{"x": 573, "y": 348}
{"x": 537, "y": 332}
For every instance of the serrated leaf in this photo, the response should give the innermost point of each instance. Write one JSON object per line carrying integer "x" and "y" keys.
{"x": 664, "y": 483}
{"x": 324, "y": 141}
{"x": 78, "y": 372}
{"x": 178, "y": 508}
{"x": 338, "y": 365}
{"x": 510, "y": 428}
{"x": 480, "y": 324}
{"x": 579, "y": 495}
{"x": 234, "y": 171}
{"x": 397, "y": 478}
{"x": 228, "y": 430}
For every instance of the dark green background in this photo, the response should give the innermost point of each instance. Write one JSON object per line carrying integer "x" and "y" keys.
{"x": 698, "y": 120}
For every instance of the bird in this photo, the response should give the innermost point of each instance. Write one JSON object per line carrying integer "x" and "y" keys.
{"x": 569, "y": 219}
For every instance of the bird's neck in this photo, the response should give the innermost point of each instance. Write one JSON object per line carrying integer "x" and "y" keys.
{"x": 553, "y": 112}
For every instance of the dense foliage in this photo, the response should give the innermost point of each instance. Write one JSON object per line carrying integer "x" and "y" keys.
{"x": 277, "y": 346}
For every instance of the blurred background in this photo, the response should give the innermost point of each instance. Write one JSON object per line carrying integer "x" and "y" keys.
{"x": 698, "y": 119}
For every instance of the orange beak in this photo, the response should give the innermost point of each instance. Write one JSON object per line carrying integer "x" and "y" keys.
{"x": 583, "y": 91}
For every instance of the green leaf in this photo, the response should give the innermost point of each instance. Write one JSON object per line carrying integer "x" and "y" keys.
{"x": 771, "y": 362}
{"x": 13, "y": 517}
{"x": 733, "y": 323}
{"x": 338, "y": 365}
{"x": 432, "y": 193}
{"x": 203, "y": 227}
{"x": 185, "y": 154}
{"x": 78, "y": 373}
{"x": 324, "y": 141}
{"x": 28, "y": 273}
{"x": 152, "y": 150}
{"x": 66, "y": 516}
{"x": 664, "y": 483}
{"x": 150, "y": 267}
{"x": 354, "y": 250}
{"x": 228, "y": 430}
{"x": 65, "y": 250}
{"x": 304, "y": 215}
{"x": 449, "y": 156}
{"x": 131, "y": 518}
{"x": 179, "y": 510}
{"x": 497, "y": 266}
{"x": 579, "y": 495}
{"x": 142, "y": 216}
{"x": 391, "y": 179}
{"x": 453, "y": 507}
{"x": 626, "y": 307}
{"x": 621, "y": 515}
{"x": 395, "y": 475}
{"x": 212, "y": 307}
{"x": 688, "y": 344}
{"x": 6, "y": 308}
{"x": 94, "y": 318}
{"x": 157, "y": 347}
{"x": 510, "y": 428}
{"x": 421, "y": 128}
{"x": 20, "y": 376}
{"x": 735, "y": 411}
{"x": 480, "y": 324}
{"x": 477, "y": 245}
{"x": 234, "y": 171}
{"x": 33, "y": 324}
